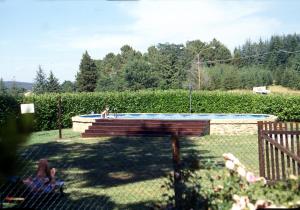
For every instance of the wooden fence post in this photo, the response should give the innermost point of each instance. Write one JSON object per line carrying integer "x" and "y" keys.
{"x": 177, "y": 172}
{"x": 59, "y": 117}
{"x": 261, "y": 156}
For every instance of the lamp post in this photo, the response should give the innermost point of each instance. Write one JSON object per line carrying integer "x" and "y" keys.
{"x": 198, "y": 64}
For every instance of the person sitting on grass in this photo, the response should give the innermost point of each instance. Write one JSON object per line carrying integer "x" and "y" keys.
{"x": 105, "y": 112}
{"x": 44, "y": 179}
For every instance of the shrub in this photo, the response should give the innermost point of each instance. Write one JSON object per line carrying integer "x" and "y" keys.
{"x": 9, "y": 106}
{"x": 231, "y": 188}
{"x": 287, "y": 108}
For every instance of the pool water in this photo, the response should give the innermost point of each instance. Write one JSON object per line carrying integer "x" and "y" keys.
{"x": 180, "y": 116}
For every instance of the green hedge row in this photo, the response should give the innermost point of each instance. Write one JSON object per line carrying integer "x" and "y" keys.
{"x": 9, "y": 106}
{"x": 287, "y": 108}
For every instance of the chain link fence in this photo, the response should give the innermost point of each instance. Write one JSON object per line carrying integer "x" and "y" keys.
{"x": 115, "y": 173}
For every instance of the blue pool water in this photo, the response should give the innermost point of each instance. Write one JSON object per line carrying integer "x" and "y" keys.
{"x": 180, "y": 116}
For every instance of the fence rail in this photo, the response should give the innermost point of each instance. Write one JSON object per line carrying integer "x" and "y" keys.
{"x": 279, "y": 149}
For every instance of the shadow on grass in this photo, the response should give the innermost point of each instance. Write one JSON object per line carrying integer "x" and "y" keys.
{"x": 109, "y": 163}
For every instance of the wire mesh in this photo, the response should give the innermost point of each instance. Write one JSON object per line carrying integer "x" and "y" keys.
{"x": 117, "y": 173}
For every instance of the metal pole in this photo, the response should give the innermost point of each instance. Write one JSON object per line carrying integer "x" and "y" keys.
{"x": 199, "y": 75}
{"x": 190, "y": 86}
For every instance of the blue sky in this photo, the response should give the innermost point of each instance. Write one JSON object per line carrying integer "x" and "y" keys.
{"x": 54, "y": 34}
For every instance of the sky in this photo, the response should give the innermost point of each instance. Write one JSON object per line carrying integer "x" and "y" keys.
{"x": 55, "y": 33}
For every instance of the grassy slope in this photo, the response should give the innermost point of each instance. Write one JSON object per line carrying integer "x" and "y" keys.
{"x": 124, "y": 172}
{"x": 275, "y": 89}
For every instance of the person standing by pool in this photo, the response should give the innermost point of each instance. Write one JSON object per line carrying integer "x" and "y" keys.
{"x": 105, "y": 112}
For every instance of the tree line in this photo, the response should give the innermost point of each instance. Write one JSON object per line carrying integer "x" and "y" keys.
{"x": 202, "y": 65}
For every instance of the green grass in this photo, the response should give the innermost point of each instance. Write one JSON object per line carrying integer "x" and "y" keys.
{"x": 123, "y": 173}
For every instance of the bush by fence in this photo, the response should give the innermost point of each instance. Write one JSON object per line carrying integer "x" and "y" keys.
{"x": 287, "y": 108}
{"x": 8, "y": 106}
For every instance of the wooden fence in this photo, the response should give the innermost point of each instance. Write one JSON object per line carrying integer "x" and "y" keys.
{"x": 279, "y": 150}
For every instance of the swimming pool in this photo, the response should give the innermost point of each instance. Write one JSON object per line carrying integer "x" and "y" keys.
{"x": 170, "y": 116}
{"x": 220, "y": 124}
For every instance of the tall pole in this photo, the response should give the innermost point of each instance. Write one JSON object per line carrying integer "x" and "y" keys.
{"x": 190, "y": 86}
{"x": 199, "y": 74}
{"x": 59, "y": 118}
{"x": 198, "y": 64}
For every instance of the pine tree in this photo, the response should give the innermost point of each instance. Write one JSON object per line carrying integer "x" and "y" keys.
{"x": 52, "y": 84}
{"x": 67, "y": 86}
{"x": 15, "y": 91}
{"x": 86, "y": 78}
{"x": 40, "y": 82}
{"x": 3, "y": 88}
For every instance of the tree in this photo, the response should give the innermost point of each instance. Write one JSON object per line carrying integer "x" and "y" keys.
{"x": 15, "y": 91}
{"x": 172, "y": 65}
{"x": 3, "y": 88}
{"x": 128, "y": 54}
{"x": 86, "y": 78}
{"x": 68, "y": 86}
{"x": 40, "y": 82}
{"x": 52, "y": 85}
{"x": 138, "y": 75}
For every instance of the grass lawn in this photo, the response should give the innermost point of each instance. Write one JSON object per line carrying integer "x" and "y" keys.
{"x": 122, "y": 173}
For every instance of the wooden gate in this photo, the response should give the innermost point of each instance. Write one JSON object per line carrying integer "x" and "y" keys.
{"x": 279, "y": 150}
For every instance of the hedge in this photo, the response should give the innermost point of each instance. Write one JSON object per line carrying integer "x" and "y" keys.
{"x": 9, "y": 106}
{"x": 286, "y": 107}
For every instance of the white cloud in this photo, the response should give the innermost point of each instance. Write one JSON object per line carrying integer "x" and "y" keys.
{"x": 231, "y": 22}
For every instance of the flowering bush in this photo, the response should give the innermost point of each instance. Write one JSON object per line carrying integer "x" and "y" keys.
{"x": 233, "y": 188}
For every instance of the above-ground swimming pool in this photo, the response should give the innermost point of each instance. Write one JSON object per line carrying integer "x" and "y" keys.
{"x": 220, "y": 124}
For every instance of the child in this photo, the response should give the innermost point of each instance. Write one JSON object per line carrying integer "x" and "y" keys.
{"x": 105, "y": 112}
{"x": 44, "y": 179}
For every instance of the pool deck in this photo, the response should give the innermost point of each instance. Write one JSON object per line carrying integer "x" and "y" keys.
{"x": 217, "y": 126}
{"x": 147, "y": 127}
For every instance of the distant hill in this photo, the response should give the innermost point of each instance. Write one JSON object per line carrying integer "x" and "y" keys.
{"x": 25, "y": 85}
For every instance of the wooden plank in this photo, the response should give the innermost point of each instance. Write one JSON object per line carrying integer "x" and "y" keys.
{"x": 298, "y": 146}
{"x": 276, "y": 157}
{"x": 127, "y": 129}
{"x": 279, "y": 146}
{"x": 282, "y": 132}
{"x": 293, "y": 149}
{"x": 267, "y": 159}
{"x": 122, "y": 122}
{"x": 147, "y": 127}
{"x": 282, "y": 153}
{"x": 287, "y": 146}
{"x": 151, "y": 134}
{"x": 141, "y": 121}
{"x": 59, "y": 118}
{"x": 177, "y": 172}
{"x": 272, "y": 162}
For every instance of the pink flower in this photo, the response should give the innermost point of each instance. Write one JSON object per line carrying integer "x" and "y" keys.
{"x": 229, "y": 164}
{"x": 250, "y": 177}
